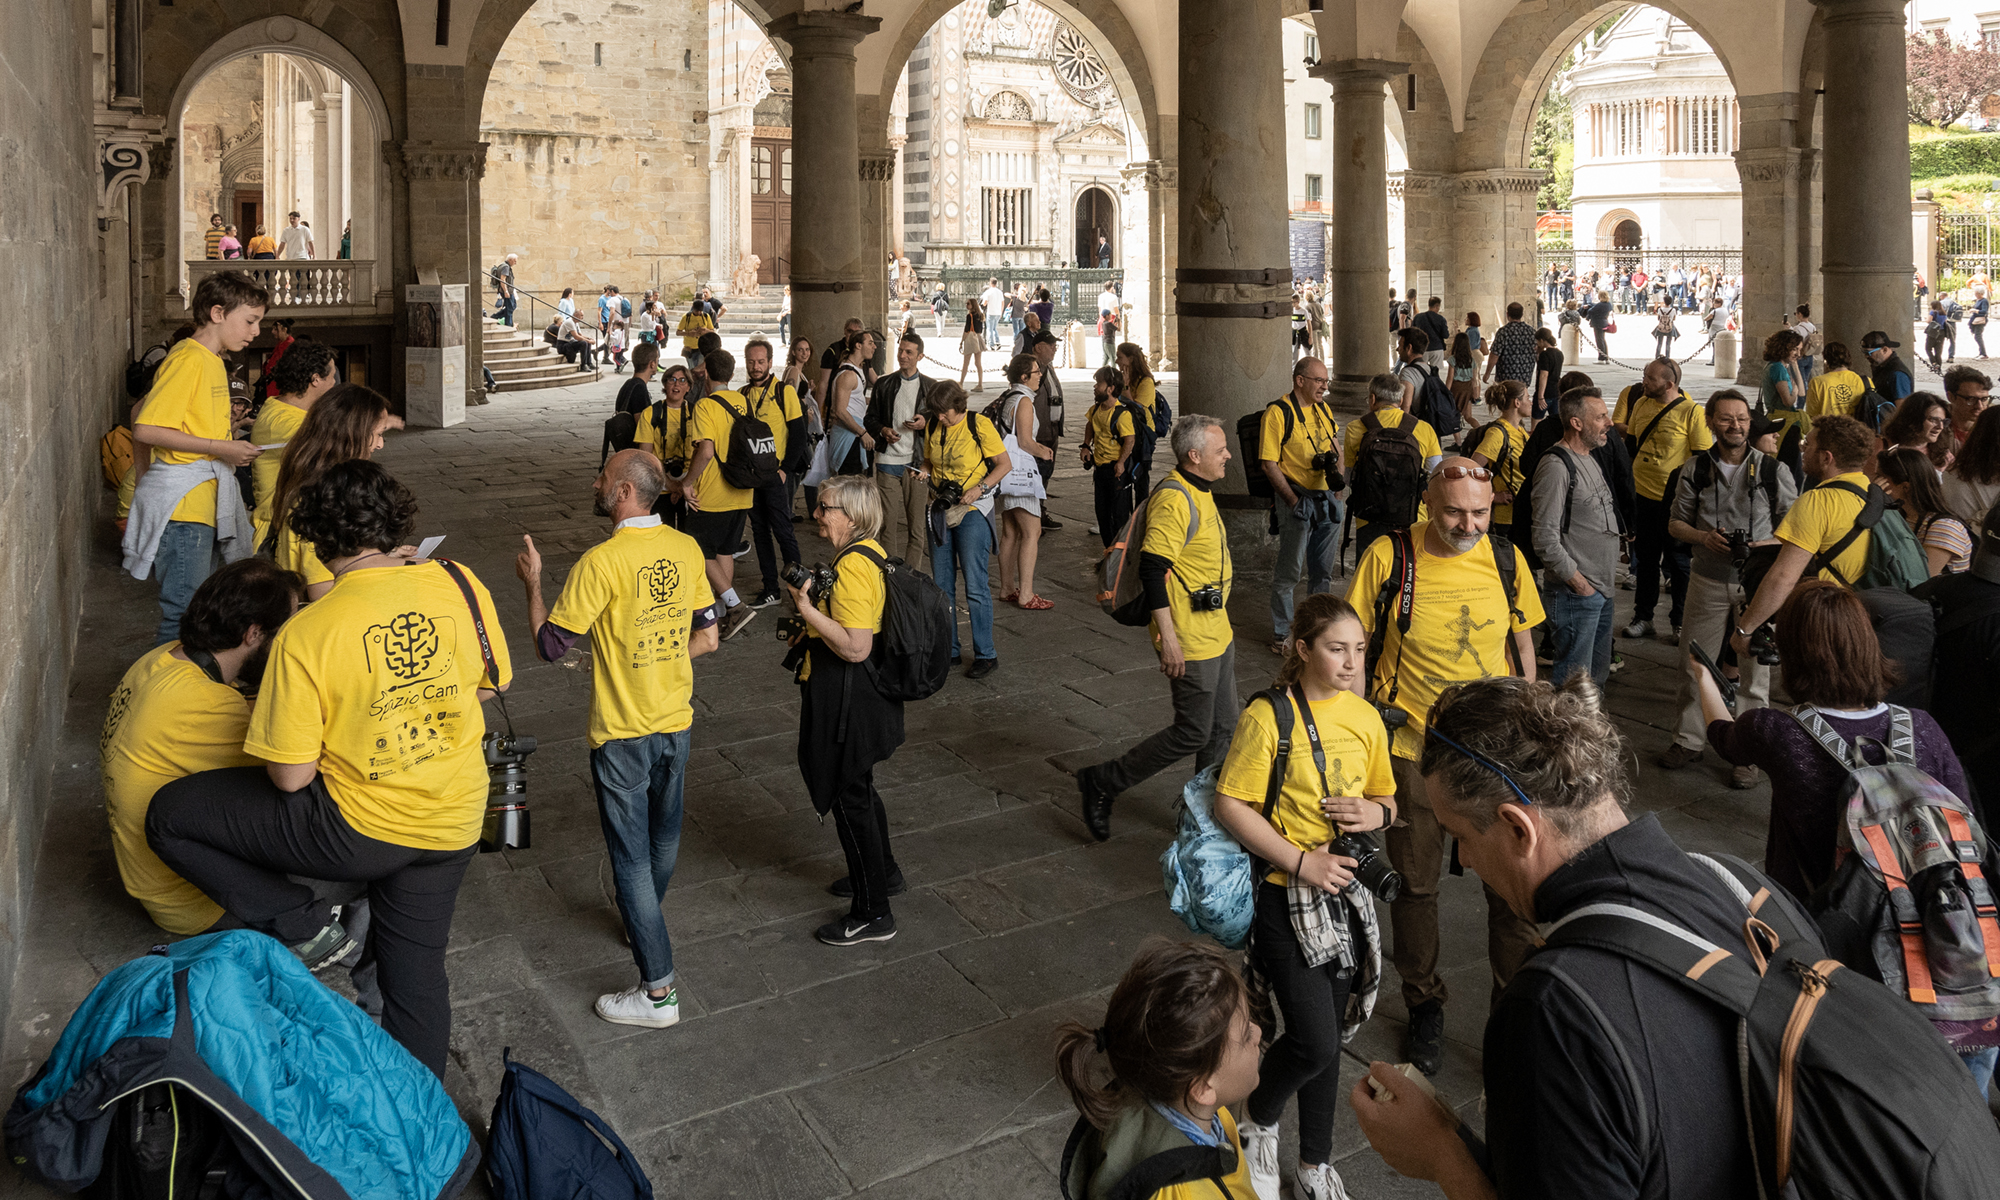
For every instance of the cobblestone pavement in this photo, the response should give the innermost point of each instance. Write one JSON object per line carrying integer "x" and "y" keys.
{"x": 917, "y": 1068}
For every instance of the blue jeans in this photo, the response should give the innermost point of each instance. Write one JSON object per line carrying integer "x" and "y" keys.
{"x": 1308, "y": 538}
{"x": 185, "y": 558}
{"x": 1580, "y": 633}
{"x": 503, "y": 308}
{"x": 638, "y": 782}
{"x": 969, "y": 548}
{"x": 1981, "y": 1062}
{"x": 994, "y": 329}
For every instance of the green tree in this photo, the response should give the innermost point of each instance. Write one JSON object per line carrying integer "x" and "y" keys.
{"x": 1553, "y": 149}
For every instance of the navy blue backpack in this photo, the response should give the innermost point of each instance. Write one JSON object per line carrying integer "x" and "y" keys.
{"x": 546, "y": 1146}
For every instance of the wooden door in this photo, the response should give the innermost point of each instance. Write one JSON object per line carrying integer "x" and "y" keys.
{"x": 771, "y": 209}
{"x": 250, "y": 213}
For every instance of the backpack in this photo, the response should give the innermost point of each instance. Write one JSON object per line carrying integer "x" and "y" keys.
{"x": 1874, "y": 409}
{"x": 998, "y": 412}
{"x": 1499, "y": 465}
{"x": 1895, "y": 560}
{"x": 1250, "y": 436}
{"x": 165, "y": 1143}
{"x": 139, "y": 374}
{"x": 1388, "y": 474}
{"x": 1400, "y": 588}
{"x": 621, "y": 432}
{"x": 546, "y": 1146}
{"x": 1435, "y": 404}
{"x": 114, "y": 454}
{"x": 1704, "y": 475}
{"x": 1163, "y": 415}
{"x": 1849, "y": 1092}
{"x": 1144, "y": 438}
{"x": 753, "y": 449}
{"x": 912, "y": 657}
{"x": 1119, "y": 592}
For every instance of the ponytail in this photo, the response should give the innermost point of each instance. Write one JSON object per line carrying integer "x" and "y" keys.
{"x": 1503, "y": 394}
{"x": 1315, "y": 613}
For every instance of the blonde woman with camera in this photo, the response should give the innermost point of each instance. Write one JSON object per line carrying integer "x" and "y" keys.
{"x": 846, "y": 727}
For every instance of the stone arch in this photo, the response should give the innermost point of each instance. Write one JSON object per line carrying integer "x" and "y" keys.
{"x": 1101, "y": 21}
{"x": 1611, "y": 227}
{"x": 1008, "y": 105}
{"x": 1106, "y": 196}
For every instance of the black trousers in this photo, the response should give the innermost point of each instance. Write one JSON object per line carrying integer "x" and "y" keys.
{"x": 1305, "y": 1061}
{"x": 235, "y": 836}
{"x": 863, "y": 825}
{"x": 1114, "y": 502}
{"x": 771, "y": 516}
{"x": 1603, "y": 354}
{"x": 1651, "y": 546}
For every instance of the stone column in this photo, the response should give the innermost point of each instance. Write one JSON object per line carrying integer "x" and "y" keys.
{"x": 1234, "y": 279}
{"x": 1148, "y": 260}
{"x": 1358, "y": 267}
{"x": 877, "y": 174}
{"x": 1492, "y": 234}
{"x": 1768, "y": 164}
{"x": 322, "y": 152}
{"x": 1867, "y": 258}
{"x": 443, "y": 179}
{"x": 333, "y": 209}
{"x": 829, "y": 269}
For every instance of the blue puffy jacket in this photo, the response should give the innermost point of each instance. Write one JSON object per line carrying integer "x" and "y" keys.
{"x": 333, "y": 1104}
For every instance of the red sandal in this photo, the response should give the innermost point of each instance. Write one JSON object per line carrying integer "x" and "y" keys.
{"x": 1037, "y": 603}
{"x": 1011, "y": 597}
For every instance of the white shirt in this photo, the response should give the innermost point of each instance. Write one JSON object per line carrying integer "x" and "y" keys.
{"x": 294, "y": 242}
{"x": 1107, "y": 301}
{"x": 994, "y": 301}
{"x": 904, "y": 408}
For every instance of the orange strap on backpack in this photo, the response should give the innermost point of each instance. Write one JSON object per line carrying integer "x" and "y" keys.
{"x": 1915, "y": 965}
{"x": 1989, "y": 926}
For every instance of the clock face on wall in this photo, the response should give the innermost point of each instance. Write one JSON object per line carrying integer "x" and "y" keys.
{"x": 1079, "y": 69}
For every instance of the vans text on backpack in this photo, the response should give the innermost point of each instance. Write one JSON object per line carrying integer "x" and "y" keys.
{"x": 753, "y": 449}
{"x": 1388, "y": 474}
{"x": 1849, "y": 1091}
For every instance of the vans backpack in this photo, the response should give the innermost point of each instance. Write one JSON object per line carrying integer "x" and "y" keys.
{"x": 753, "y": 449}
{"x": 1388, "y": 475}
{"x": 1911, "y": 900}
{"x": 1436, "y": 405}
{"x": 912, "y": 656}
{"x": 1848, "y": 1090}
{"x": 544, "y": 1145}
{"x": 1119, "y": 590}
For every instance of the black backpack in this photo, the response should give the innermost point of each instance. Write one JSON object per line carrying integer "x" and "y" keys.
{"x": 1250, "y": 436}
{"x": 1399, "y": 590}
{"x": 545, "y": 1144}
{"x": 1849, "y": 1091}
{"x": 1436, "y": 405}
{"x": 139, "y": 375}
{"x": 1388, "y": 474}
{"x": 164, "y": 1143}
{"x": 1144, "y": 437}
{"x": 912, "y": 657}
{"x": 621, "y": 431}
{"x": 753, "y": 449}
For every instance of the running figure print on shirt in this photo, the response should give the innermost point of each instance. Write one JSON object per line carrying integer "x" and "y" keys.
{"x": 1462, "y": 628}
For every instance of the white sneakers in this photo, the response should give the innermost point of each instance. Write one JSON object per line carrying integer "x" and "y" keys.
{"x": 634, "y": 1006}
{"x": 1260, "y": 1148}
{"x": 1318, "y": 1183}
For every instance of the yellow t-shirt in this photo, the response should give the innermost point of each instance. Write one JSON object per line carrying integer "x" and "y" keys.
{"x": 168, "y": 720}
{"x": 1834, "y": 394}
{"x": 1233, "y": 1186}
{"x": 294, "y": 553}
{"x": 1501, "y": 446}
{"x": 775, "y": 402}
{"x": 1356, "y": 745}
{"x": 190, "y": 395}
{"x": 1681, "y": 434}
{"x": 1143, "y": 394}
{"x": 1821, "y": 516}
{"x": 1198, "y": 562}
{"x": 673, "y": 438}
{"x": 961, "y": 451}
{"x": 1459, "y": 625}
{"x": 714, "y": 416}
{"x": 378, "y": 682}
{"x": 1313, "y": 432}
{"x": 859, "y": 595}
{"x": 261, "y": 244}
{"x": 639, "y": 595}
{"x": 276, "y": 422}
{"x": 692, "y": 326}
{"x": 1106, "y": 427}
{"x": 211, "y": 243}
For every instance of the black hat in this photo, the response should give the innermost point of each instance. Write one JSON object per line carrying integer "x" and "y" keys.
{"x": 1760, "y": 425}
{"x": 1878, "y": 341}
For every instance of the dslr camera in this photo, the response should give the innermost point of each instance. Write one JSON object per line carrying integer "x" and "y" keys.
{"x": 819, "y": 575}
{"x": 1393, "y": 718}
{"x": 947, "y": 493}
{"x": 1371, "y": 866}
{"x": 1207, "y": 598}
{"x": 506, "y": 825}
{"x": 1739, "y": 547}
{"x": 1326, "y": 462}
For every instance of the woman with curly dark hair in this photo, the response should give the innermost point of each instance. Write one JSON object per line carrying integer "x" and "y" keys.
{"x": 1781, "y": 389}
{"x": 1973, "y": 483}
{"x": 369, "y": 725}
{"x": 1922, "y": 422}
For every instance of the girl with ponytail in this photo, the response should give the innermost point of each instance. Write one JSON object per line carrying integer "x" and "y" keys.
{"x": 1499, "y": 446}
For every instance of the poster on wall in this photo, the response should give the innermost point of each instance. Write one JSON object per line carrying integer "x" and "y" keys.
{"x": 1308, "y": 251}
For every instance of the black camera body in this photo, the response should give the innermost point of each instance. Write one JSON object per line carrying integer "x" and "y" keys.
{"x": 1739, "y": 547}
{"x": 949, "y": 493}
{"x": 506, "y": 825}
{"x": 820, "y": 575}
{"x": 1393, "y": 718}
{"x": 1764, "y": 644}
{"x": 1327, "y": 462}
{"x": 1207, "y": 598}
{"x": 1371, "y": 866}
{"x": 676, "y": 466}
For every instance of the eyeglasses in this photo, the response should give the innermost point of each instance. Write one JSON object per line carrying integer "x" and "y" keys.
{"x": 1483, "y": 761}
{"x": 824, "y": 507}
{"x": 1479, "y": 473}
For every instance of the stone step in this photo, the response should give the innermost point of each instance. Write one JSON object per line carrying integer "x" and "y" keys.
{"x": 565, "y": 376}
{"x": 522, "y": 368}
{"x": 515, "y": 350}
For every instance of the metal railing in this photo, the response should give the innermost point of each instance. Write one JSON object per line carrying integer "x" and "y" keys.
{"x": 1655, "y": 260}
{"x": 298, "y": 285}
{"x": 1969, "y": 243}
{"x": 1072, "y": 290}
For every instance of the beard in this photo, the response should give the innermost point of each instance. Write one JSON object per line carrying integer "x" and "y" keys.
{"x": 1462, "y": 543}
{"x": 598, "y": 504}
{"x": 251, "y": 675}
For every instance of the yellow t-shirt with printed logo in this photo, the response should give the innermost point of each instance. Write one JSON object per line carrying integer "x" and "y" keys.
{"x": 1106, "y": 427}
{"x": 1198, "y": 561}
{"x": 378, "y": 682}
{"x": 1680, "y": 435}
{"x": 1313, "y": 432}
{"x": 190, "y": 395}
{"x": 1821, "y": 516}
{"x": 961, "y": 451}
{"x": 1460, "y": 625}
{"x": 714, "y": 416}
{"x": 1501, "y": 446}
{"x": 859, "y": 594}
{"x": 277, "y": 422}
{"x": 1834, "y": 394}
{"x": 775, "y": 403}
{"x": 168, "y": 720}
{"x": 1356, "y": 746}
{"x": 639, "y": 595}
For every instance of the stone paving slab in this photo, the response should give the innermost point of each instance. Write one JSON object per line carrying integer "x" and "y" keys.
{"x": 913, "y": 1069}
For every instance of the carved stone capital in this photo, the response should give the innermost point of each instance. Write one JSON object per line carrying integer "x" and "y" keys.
{"x": 127, "y": 154}
{"x": 875, "y": 169}
{"x": 1149, "y": 175}
{"x": 432, "y": 161}
{"x": 1500, "y": 181}
{"x": 1417, "y": 183}
{"x": 1780, "y": 164}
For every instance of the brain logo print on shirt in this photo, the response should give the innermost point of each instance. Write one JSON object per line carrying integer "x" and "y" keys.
{"x": 659, "y": 580}
{"x": 412, "y": 646}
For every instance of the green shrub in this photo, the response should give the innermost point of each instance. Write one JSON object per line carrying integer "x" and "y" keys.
{"x": 1970, "y": 154}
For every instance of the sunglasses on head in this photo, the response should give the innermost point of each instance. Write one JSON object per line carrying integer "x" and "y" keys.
{"x": 1479, "y": 473}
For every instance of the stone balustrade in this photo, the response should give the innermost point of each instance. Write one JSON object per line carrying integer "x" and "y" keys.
{"x": 332, "y": 286}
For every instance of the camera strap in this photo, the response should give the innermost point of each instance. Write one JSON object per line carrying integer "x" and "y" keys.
{"x": 1312, "y": 736}
{"x": 479, "y": 626}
